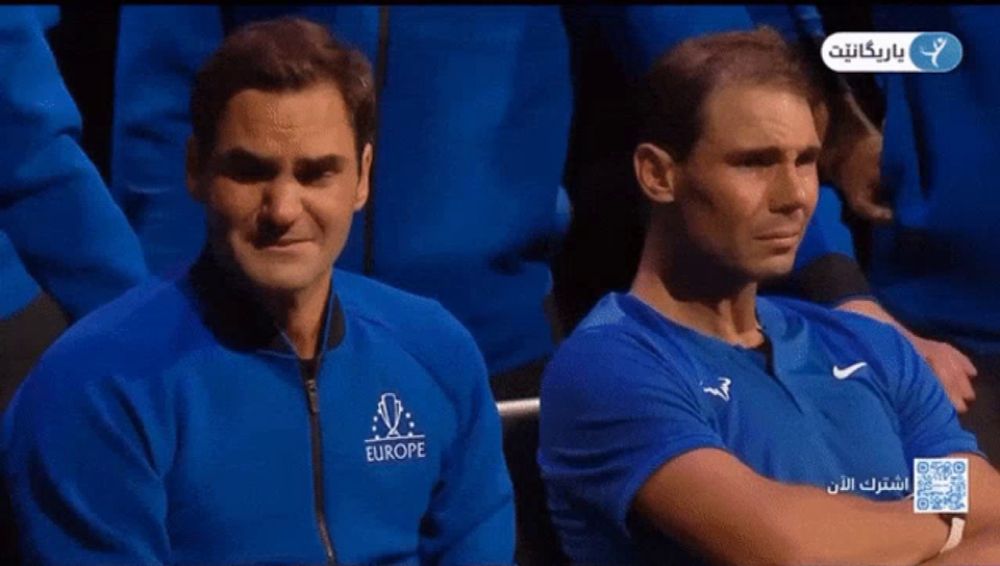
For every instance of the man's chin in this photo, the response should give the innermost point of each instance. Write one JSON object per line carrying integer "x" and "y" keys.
{"x": 280, "y": 279}
{"x": 773, "y": 268}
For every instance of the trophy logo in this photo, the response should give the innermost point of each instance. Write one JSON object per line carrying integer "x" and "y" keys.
{"x": 387, "y": 443}
{"x": 391, "y": 410}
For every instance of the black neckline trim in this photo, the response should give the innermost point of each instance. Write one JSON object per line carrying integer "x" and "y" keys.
{"x": 230, "y": 310}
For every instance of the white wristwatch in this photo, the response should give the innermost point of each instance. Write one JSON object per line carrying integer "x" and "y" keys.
{"x": 954, "y": 533}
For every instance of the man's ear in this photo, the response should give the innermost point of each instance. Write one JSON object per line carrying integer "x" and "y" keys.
{"x": 193, "y": 169}
{"x": 656, "y": 172}
{"x": 361, "y": 196}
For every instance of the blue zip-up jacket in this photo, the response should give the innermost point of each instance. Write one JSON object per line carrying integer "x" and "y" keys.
{"x": 59, "y": 227}
{"x": 474, "y": 115}
{"x": 176, "y": 425}
{"x": 937, "y": 266}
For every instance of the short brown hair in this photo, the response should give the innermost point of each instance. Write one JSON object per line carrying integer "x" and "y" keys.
{"x": 284, "y": 54}
{"x": 672, "y": 104}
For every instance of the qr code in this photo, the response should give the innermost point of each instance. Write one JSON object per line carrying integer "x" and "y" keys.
{"x": 941, "y": 485}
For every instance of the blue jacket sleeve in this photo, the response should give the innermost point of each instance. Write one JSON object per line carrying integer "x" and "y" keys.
{"x": 80, "y": 470}
{"x": 160, "y": 48}
{"x": 54, "y": 206}
{"x": 471, "y": 516}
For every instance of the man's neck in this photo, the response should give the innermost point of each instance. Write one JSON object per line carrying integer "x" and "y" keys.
{"x": 687, "y": 291}
{"x": 300, "y": 315}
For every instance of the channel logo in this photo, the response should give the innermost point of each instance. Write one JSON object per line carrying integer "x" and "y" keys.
{"x": 892, "y": 52}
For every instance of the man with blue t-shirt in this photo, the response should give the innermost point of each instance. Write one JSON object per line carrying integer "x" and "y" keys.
{"x": 690, "y": 418}
{"x": 264, "y": 407}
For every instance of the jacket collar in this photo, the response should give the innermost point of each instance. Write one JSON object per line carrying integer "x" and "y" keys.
{"x": 230, "y": 310}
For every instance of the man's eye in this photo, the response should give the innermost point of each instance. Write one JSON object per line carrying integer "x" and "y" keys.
{"x": 808, "y": 159}
{"x": 243, "y": 171}
{"x": 755, "y": 162}
{"x": 316, "y": 177}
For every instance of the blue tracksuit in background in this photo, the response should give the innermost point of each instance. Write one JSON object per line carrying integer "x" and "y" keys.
{"x": 57, "y": 220}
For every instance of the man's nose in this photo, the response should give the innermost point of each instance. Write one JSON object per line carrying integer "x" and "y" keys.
{"x": 792, "y": 189}
{"x": 282, "y": 202}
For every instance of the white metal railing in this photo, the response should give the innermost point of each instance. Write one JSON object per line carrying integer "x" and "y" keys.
{"x": 518, "y": 408}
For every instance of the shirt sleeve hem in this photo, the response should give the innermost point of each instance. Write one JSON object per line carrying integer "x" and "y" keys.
{"x": 642, "y": 472}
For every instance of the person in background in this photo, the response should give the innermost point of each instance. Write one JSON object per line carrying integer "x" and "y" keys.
{"x": 59, "y": 228}
{"x": 936, "y": 223}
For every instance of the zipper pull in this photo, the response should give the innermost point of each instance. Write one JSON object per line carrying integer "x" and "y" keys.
{"x": 313, "y": 394}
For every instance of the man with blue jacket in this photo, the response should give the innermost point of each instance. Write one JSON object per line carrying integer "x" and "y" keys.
{"x": 59, "y": 229}
{"x": 263, "y": 407}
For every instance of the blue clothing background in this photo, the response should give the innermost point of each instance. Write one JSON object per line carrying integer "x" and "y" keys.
{"x": 59, "y": 228}
{"x": 627, "y": 392}
{"x": 937, "y": 266}
{"x": 474, "y": 121}
{"x": 149, "y": 434}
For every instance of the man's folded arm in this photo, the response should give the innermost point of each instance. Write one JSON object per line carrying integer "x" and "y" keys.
{"x": 710, "y": 501}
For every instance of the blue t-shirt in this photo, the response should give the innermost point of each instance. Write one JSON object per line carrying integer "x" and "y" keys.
{"x": 630, "y": 390}
{"x": 174, "y": 426}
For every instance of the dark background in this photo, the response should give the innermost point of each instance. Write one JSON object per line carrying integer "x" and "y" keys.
{"x": 85, "y": 41}
{"x": 598, "y": 178}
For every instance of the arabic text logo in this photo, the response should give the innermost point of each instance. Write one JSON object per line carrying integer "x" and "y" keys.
{"x": 891, "y": 52}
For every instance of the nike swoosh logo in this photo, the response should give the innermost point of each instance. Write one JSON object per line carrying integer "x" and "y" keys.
{"x": 848, "y": 371}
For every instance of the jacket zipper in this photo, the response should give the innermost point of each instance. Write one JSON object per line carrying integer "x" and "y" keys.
{"x": 381, "y": 64}
{"x": 309, "y": 369}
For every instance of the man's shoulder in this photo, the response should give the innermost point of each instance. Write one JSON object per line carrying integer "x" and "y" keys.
{"x": 828, "y": 319}
{"x": 390, "y": 308}
{"x": 621, "y": 324}
{"x": 140, "y": 326}
{"x": 614, "y": 346}
{"x": 843, "y": 332}
{"x": 418, "y": 325}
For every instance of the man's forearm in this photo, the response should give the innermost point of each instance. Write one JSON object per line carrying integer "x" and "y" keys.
{"x": 755, "y": 519}
{"x": 849, "y": 529}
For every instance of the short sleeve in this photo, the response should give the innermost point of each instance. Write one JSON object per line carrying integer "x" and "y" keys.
{"x": 929, "y": 425}
{"x": 613, "y": 411}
